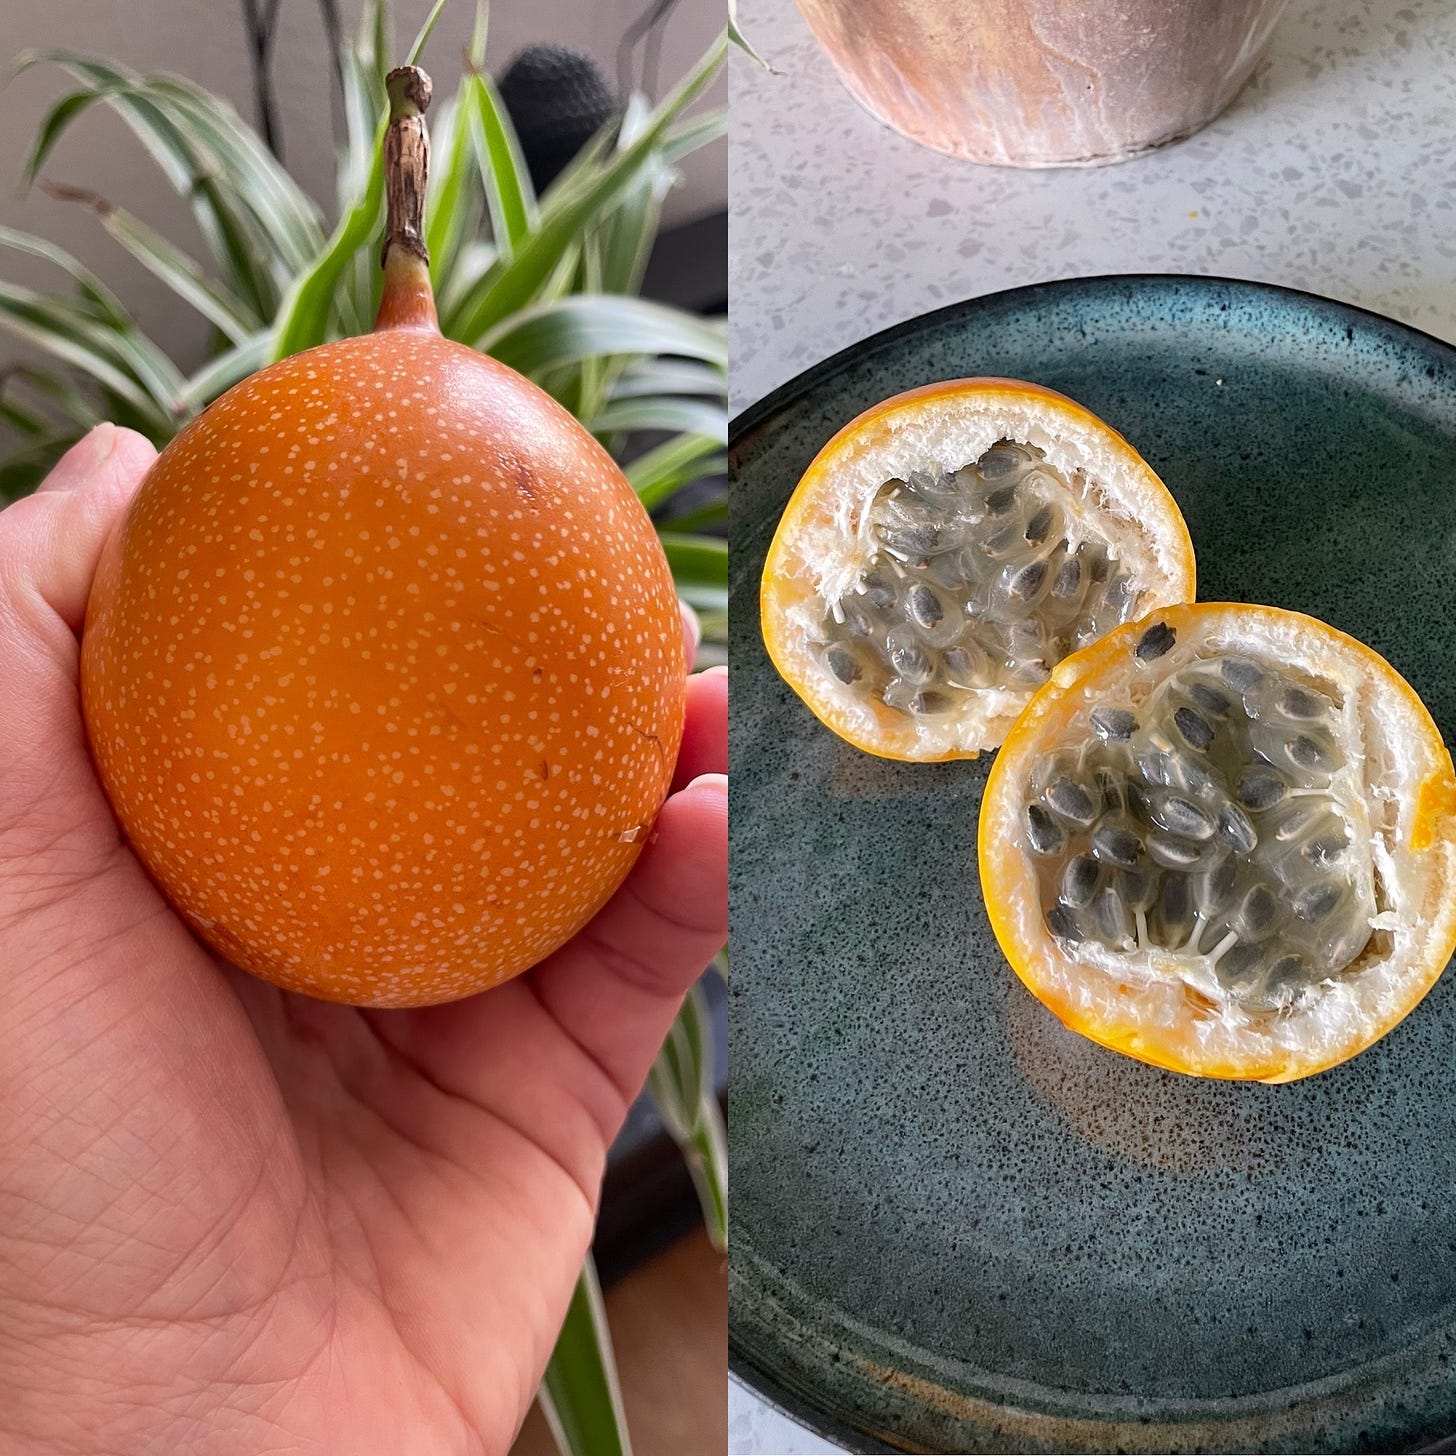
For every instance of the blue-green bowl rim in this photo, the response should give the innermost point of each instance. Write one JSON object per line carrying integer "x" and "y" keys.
{"x": 752, "y": 1374}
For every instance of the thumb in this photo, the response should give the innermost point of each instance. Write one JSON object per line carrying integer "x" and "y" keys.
{"x": 50, "y": 544}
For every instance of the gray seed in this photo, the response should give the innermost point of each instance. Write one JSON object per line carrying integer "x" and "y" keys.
{"x": 937, "y": 488}
{"x": 1072, "y": 801}
{"x": 1001, "y": 542}
{"x": 1260, "y": 790}
{"x": 1156, "y": 766}
{"x": 1114, "y": 724}
{"x": 1235, "y": 830}
{"x": 1325, "y": 849}
{"x": 1137, "y": 800}
{"x": 1210, "y": 699}
{"x": 1001, "y": 459}
{"x": 910, "y": 660}
{"x": 1310, "y": 753}
{"x": 925, "y": 606}
{"x": 1027, "y": 582}
{"x": 1110, "y": 914}
{"x": 1290, "y": 971}
{"x": 1139, "y": 887}
{"x": 1297, "y": 703}
{"x": 1195, "y": 730}
{"x": 1043, "y": 832}
{"x": 957, "y": 570}
{"x": 1212, "y": 888}
{"x": 921, "y": 540}
{"x": 842, "y": 662}
{"x": 1114, "y": 844}
{"x": 928, "y": 704}
{"x": 1257, "y": 911}
{"x": 1120, "y": 595}
{"x": 1001, "y": 501}
{"x": 878, "y": 592}
{"x": 1174, "y": 909}
{"x": 859, "y": 619}
{"x": 1300, "y": 819}
{"x": 1195, "y": 777}
{"x": 962, "y": 664}
{"x": 1079, "y": 880}
{"x": 1241, "y": 674}
{"x": 1069, "y": 578}
{"x": 1109, "y": 790}
{"x": 1155, "y": 642}
{"x": 1237, "y": 965}
{"x": 1182, "y": 817}
{"x": 1039, "y": 526}
{"x": 1063, "y": 923}
{"x": 1098, "y": 564}
{"x": 1317, "y": 901}
{"x": 1172, "y": 854}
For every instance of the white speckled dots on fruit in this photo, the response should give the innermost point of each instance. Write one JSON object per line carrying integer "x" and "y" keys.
{"x": 383, "y": 672}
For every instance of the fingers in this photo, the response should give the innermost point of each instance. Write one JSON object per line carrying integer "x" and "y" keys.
{"x": 705, "y": 733}
{"x": 50, "y": 543}
{"x": 615, "y": 989}
{"x": 692, "y": 633}
{"x": 49, "y": 546}
{"x": 583, "y": 1027}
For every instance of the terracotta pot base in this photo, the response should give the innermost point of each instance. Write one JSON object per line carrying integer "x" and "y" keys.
{"x": 1044, "y": 83}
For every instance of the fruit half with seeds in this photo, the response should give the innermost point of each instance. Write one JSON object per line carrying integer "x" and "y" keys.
{"x": 383, "y": 669}
{"x": 1223, "y": 840}
{"x": 945, "y": 550}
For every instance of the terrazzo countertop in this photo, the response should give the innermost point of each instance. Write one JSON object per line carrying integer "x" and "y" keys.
{"x": 1331, "y": 172}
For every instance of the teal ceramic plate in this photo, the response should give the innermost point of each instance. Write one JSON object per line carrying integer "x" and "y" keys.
{"x": 957, "y": 1226}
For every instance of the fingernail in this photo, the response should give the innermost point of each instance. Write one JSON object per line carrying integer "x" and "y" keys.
{"x": 102, "y": 440}
{"x": 691, "y": 618}
{"x": 82, "y": 460}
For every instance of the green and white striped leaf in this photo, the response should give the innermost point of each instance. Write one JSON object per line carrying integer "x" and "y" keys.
{"x": 581, "y": 1396}
{"x": 595, "y": 326}
{"x": 665, "y": 412}
{"x": 120, "y": 360}
{"x": 681, "y": 1086}
{"x": 503, "y": 170}
{"x": 511, "y": 283}
{"x": 665, "y": 469}
{"x": 219, "y": 375}
{"x": 214, "y": 301}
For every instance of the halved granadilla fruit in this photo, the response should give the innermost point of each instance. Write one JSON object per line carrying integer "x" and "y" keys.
{"x": 945, "y": 550}
{"x": 1223, "y": 840}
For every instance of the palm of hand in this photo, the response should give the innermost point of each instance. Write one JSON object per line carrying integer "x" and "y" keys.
{"x": 233, "y": 1215}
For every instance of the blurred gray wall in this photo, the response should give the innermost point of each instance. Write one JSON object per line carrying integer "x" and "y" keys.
{"x": 207, "y": 41}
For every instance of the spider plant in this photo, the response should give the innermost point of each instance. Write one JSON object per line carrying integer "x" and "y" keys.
{"x": 548, "y": 284}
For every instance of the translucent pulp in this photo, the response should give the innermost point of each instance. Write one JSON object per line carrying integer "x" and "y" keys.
{"x": 983, "y": 577}
{"x": 1211, "y": 812}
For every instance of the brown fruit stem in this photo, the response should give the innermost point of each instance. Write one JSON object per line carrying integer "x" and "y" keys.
{"x": 407, "y": 302}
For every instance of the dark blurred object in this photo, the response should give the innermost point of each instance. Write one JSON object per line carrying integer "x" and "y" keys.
{"x": 261, "y": 19}
{"x": 558, "y": 100}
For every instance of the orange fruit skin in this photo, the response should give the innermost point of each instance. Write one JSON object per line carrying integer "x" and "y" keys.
{"x": 383, "y": 673}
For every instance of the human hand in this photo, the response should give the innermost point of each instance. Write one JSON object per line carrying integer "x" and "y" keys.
{"x": 233, "y": 1219}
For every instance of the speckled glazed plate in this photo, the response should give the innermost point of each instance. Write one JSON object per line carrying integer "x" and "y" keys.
{"x": 958, "y": 1227}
